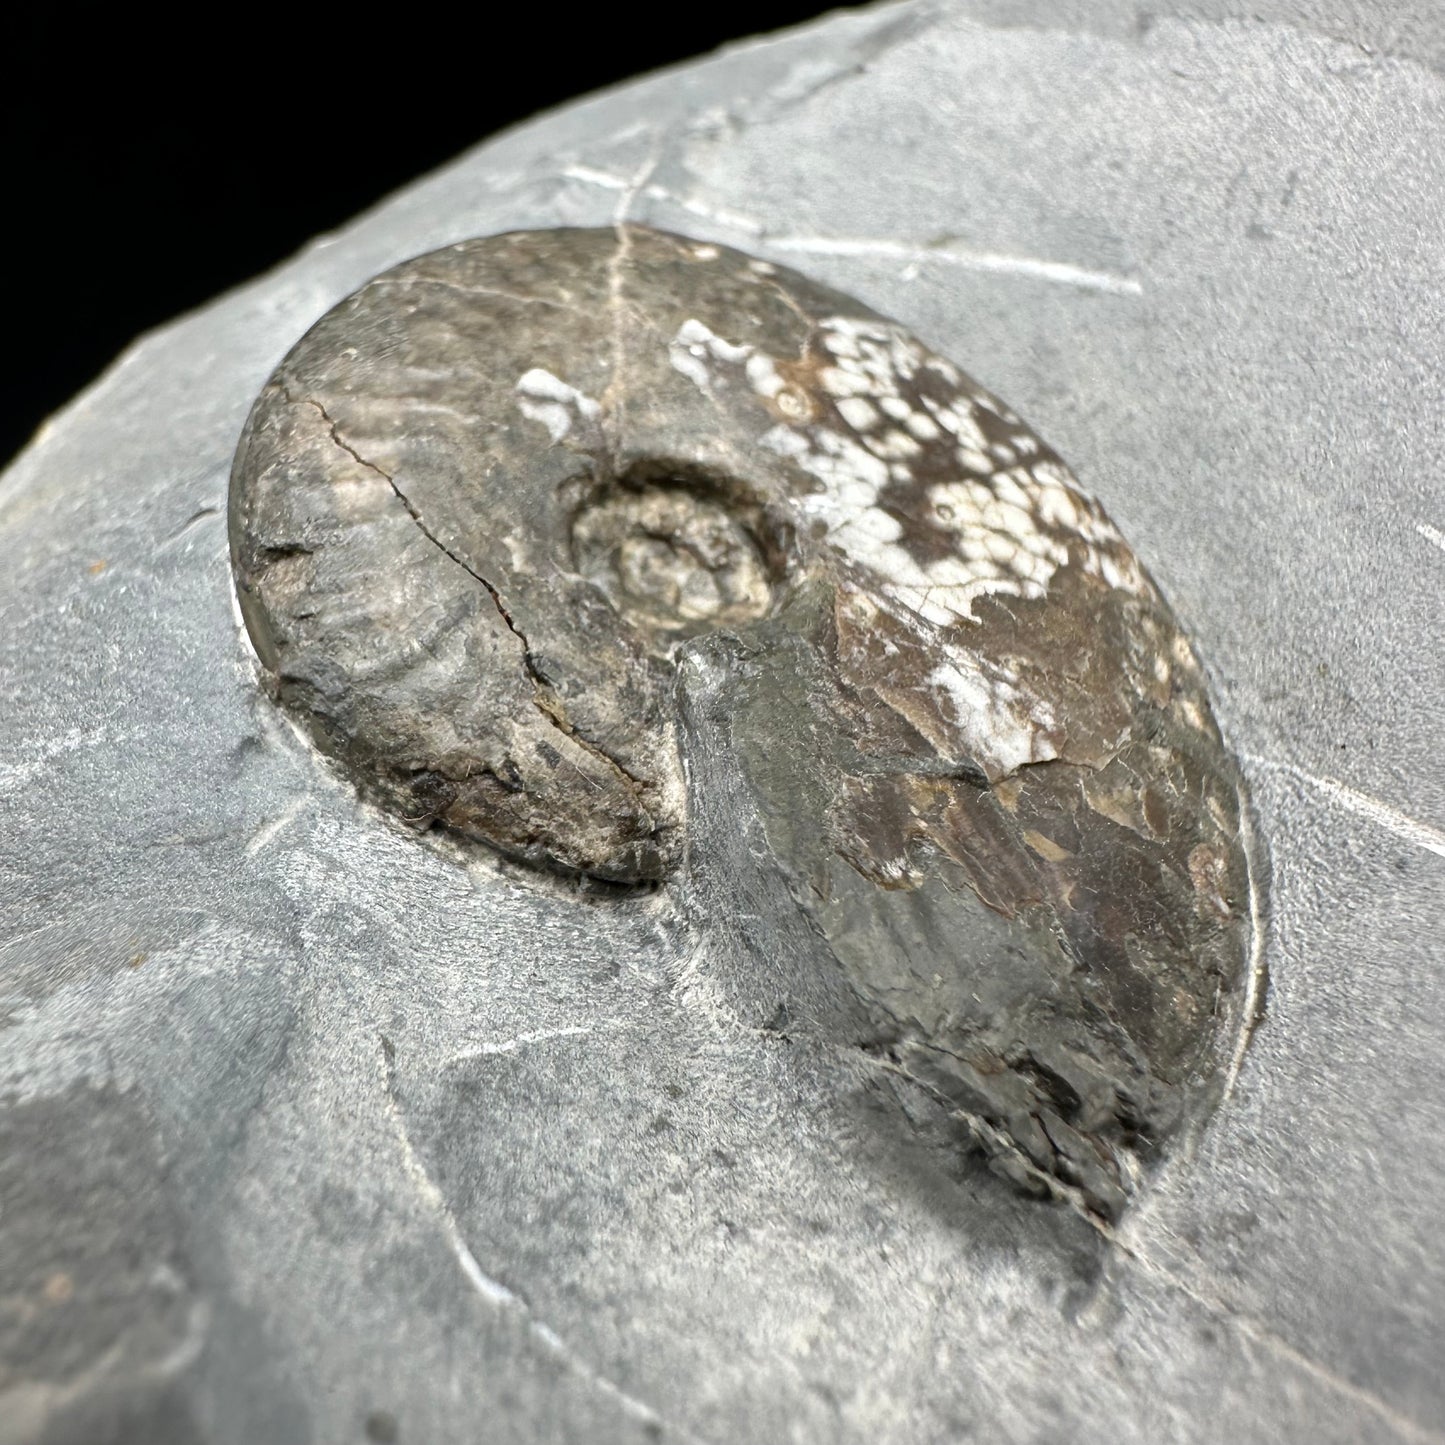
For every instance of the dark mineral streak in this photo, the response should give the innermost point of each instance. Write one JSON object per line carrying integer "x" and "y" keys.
{"x": 634, "y": 557}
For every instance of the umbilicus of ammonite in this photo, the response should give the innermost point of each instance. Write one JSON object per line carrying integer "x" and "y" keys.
{"x": 634, "y": 557}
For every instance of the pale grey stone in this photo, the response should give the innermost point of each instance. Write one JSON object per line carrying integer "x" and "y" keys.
{"x": 395, "y": 1137}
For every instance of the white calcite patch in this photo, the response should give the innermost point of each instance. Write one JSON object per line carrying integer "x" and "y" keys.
{"x": 550, "y": 400}
{"x": 1003, "y": 725}
{"x": 696, "y": 351}
{"x": 935, "y": 495}
{"x": 1015, "y": 518}
{"x": 977, "y": 707}
{"x": 1005, "y": 512}
{"x": 940, "y": 591}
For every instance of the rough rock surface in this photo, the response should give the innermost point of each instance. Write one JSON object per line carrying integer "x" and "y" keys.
{"x": 312, "y": 1132}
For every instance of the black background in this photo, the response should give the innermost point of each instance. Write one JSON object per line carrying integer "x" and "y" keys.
{"x": 153, "y": 163}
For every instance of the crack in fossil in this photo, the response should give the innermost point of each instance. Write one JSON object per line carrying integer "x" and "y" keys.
{"x": 544, "y": 697}
{"x": 612, "y": 397}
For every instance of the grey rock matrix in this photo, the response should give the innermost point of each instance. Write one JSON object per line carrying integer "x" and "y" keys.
{"x": 316, "y": 1131}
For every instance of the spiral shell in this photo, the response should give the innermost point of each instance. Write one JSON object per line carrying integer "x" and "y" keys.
{"x": 601, "y": 546}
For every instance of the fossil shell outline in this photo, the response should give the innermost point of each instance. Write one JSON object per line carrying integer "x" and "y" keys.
{"x": 495, "y": 505}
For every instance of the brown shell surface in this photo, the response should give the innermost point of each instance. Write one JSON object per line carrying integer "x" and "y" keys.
{"x": 634, "y": 557}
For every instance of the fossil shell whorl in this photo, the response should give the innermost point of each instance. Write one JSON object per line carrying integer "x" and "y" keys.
{"x": 548, "y": 537}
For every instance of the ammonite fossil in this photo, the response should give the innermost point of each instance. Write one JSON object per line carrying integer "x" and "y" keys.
{"x": 638, "y": 558}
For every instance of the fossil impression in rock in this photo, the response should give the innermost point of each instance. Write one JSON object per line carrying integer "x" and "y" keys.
{"x": 635, "y": 557}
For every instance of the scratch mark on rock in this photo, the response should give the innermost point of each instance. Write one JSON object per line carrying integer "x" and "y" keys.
{"x": 511, "y": 1046}
{"x": 490, "y": 1289}
{"x": 194, "y": 520}
{"x": 1392, "y": 820}
{"x": 493, "y": 1290}
{"x": 1266, "y": 1338}
{"x": 1431, "y": 534}
{"x": 1409, "y": 1428}
{"x": 591, "y": 176}
{"x": 1062, "y": 273}
{"x": 719, "y": 215}
{"x": 269, "y": 831}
